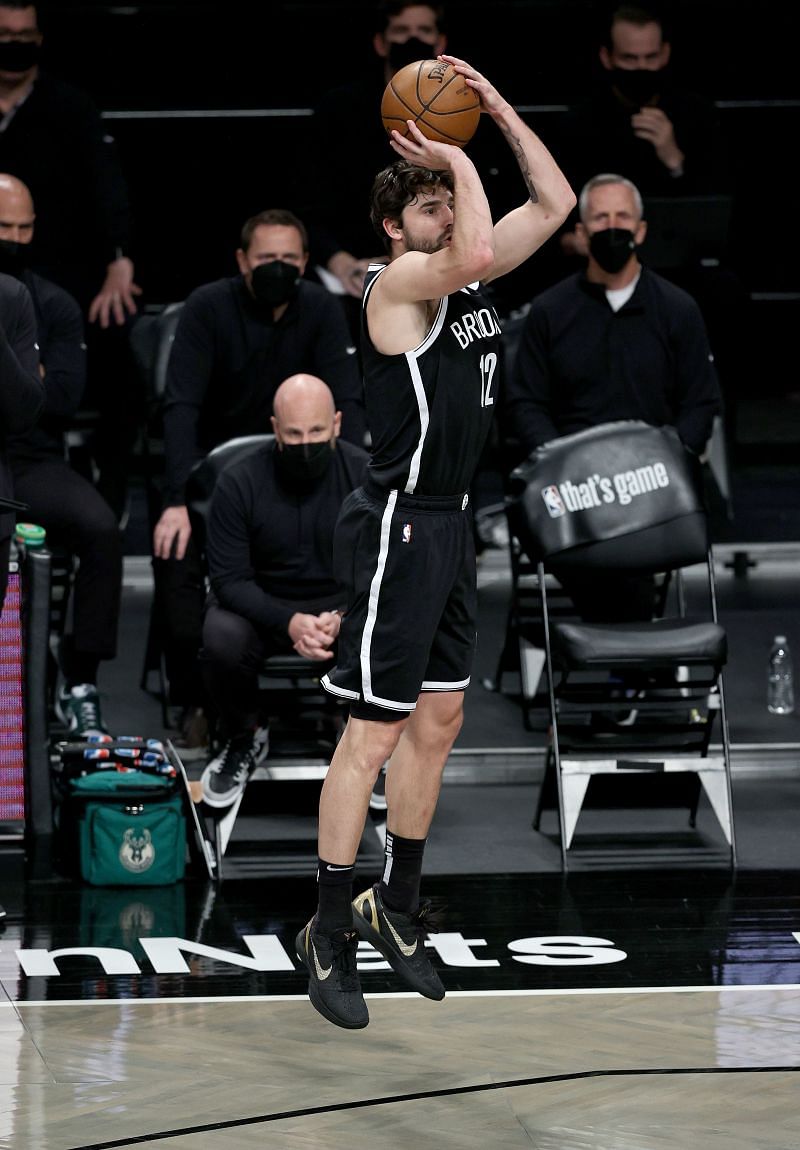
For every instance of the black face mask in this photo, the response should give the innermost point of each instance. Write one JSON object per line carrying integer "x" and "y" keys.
{"x": 18, "y": 55}
{"x": 304, "y": 463}
{"x": 408, "y": 52}
{"x": 638, "y": 85}
{"x": 612, "y": 248}
{"x": 274, "y": 283}
{"x": 13, "y": 258}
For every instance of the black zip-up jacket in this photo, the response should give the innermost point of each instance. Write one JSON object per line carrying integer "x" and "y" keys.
{"x": 228, "y": 361}
{"x": 21, "y": 388}
{"x": 270, "y": 542}
{"x": 62, "y": 351}
{"x": 580, "y": 363}
{"x": 57, "y": 143}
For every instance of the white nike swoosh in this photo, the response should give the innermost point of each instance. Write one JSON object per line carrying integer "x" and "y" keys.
{"x": 322, "y": 974}
{"x": 329, "y": 867}
{"x": 407, "y": 950}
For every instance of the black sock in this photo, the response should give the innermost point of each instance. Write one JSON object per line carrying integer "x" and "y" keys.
{"x": 402, "y": 872}
{"x": 335, "y": 883}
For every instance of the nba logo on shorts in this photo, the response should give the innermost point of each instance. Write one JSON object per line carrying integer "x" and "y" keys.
{"x": 406, "y": 532}
{"x": 553, "y": 502}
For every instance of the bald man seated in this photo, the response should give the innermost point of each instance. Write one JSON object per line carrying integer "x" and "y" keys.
{"x": 269, "y": 549}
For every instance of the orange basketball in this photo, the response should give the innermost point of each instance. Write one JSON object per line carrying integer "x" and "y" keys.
{"x": 436, "y": 97}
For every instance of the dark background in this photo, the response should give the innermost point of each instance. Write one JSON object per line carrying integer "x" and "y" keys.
{"x": 194, "y": 179}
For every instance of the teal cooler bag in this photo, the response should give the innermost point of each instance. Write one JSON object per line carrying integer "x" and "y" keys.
{"x": 131, "y": 829}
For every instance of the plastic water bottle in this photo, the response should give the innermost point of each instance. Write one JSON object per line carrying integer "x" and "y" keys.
{"x": 780, "y": 683}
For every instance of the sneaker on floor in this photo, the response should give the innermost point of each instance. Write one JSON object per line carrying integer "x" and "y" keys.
{"x": 192, "y": 741}
{"x": 377, "y": 800}
{"x": 226, "y": 775}
{"x": 401, "y": 940}
{"x": 79, "y": 710}
{"x": 333, "y": 985}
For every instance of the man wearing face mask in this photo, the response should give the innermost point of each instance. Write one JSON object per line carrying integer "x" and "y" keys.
{"x": 617, "y": 341}
{"x": 66, "y": 504}
{"x": 236, "y": 340}
{"x": 270, "y": 565}
{"x": 53, "y": 138}
{"x": 342, "y": 240}
{"x": 640, "y": 120}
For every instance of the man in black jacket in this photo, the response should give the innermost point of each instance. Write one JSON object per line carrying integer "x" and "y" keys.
{"x": 53, "y": 138}
{"x": 236, "y": 340}
{"x": 616, "y": 342}
{"x": 270, "y": 563}
{"x": 21, "y": 395}
{"x": 68, "y": 506}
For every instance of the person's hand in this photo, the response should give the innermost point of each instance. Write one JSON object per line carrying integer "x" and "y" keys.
{"x": 116, "y": 296}
{"x": 311, "y": 638}
{"x": 172, "y": 529}
{"x": 330, "y": 621}
{"x": 423, "y": 153}
{"x": 574, "y": 244}
{"x": 349, "y": 271}
{"x": 655, "y": 126}
{"x": 491, "y": 100}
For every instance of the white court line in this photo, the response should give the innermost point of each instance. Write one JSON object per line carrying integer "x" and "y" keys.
{"x": 572, "y": 991}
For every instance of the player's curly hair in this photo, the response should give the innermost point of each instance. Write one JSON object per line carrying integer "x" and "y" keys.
{"x": 396, "y": 187}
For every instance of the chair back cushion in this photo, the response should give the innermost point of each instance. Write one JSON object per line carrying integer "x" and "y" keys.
{"x": 623, "y": 495}
{"x": 205, "y": 473}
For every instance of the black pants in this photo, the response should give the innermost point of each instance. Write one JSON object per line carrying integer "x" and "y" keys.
{"x": 232, "y": 654}
{"x": 180, "y": 593}
{"x": 77, "y": 518}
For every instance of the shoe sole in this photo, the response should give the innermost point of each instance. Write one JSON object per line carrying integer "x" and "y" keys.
{"x": 221, "y": 804}
{"x": 395, "y": 960}
{"x": 313, "y": 991}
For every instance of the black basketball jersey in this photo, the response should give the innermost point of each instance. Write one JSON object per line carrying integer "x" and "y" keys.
{"x": 429, "y": 410}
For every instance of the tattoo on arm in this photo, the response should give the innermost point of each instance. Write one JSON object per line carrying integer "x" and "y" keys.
{"x": 519, "y": 152}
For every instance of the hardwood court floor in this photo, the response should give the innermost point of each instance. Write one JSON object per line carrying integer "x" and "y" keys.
{"x": 604, "y": 1011}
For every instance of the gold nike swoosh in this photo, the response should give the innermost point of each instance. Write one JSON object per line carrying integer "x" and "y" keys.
{"x": 322, "y": 974}
{"x": 407, "y": 950}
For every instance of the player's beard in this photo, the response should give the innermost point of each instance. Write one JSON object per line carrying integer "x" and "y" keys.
{"x": 427, "y": 246}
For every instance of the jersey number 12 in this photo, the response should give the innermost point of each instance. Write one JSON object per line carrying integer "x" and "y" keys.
{"x": 488, "y": 365}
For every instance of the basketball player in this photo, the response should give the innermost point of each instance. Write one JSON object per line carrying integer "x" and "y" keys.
{"x": 404, "y": 541}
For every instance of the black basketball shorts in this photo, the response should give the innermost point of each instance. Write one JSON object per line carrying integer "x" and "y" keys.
{"x": 407, "y": 566}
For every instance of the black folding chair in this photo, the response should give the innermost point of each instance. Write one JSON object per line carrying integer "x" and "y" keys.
{"x": 625, "y": 497}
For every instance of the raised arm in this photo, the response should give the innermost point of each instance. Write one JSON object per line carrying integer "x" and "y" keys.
{"x": 465, "y": 222}
{"x": 443, "y": 241}
{"x": 550, "y": 198}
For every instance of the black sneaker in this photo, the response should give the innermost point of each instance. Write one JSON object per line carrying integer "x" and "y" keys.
{"x": 377, "y": 800}
{"x": 226, "y": 775}
{"x": 401, "y": 940}
{"x": 333, "y": 985}
{"x": 78, "y": 709}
